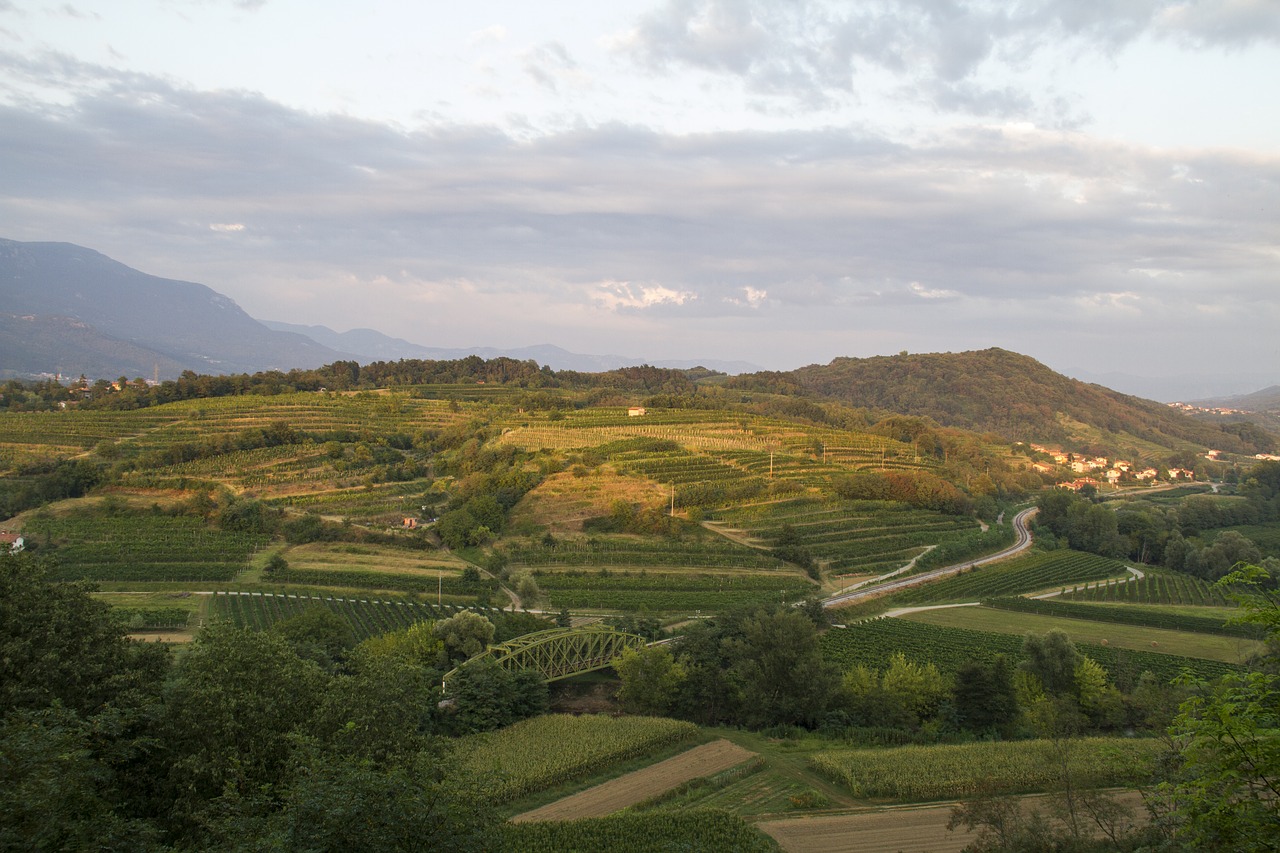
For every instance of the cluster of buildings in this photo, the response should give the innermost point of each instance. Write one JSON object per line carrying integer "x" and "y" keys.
{"x": 1100, "y": 469}
{"x": 1218, "y": 410}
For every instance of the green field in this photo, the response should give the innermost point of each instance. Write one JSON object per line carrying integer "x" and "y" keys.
{"x": 1234, "y": 650}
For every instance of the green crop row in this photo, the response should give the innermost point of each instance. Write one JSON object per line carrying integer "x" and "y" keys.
{"x": 542, "y": 752}
{"x": 1148, "y": 617}
{"x": 873, "y": 642}
{"x": 1024, "y": 574}
{"x": 1154, "y": 588}
{"x": 924, "y": 773}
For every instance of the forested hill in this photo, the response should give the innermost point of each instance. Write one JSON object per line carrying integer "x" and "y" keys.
{"x": 998, "y": 391}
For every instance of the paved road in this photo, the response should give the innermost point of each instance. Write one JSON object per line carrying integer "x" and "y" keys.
{"x": 1023, "y": 543}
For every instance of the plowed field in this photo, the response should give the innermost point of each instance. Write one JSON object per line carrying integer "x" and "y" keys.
{"x": 640, "y": 785}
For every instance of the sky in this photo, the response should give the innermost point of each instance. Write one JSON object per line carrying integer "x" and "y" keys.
{"x": 1094, "y": 183}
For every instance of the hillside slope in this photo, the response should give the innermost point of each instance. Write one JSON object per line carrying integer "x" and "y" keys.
{"x": 998, "y": 391}
{"x": 180, "y": 325}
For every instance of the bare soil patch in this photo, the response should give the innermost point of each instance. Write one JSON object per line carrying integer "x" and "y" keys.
{"x": 640, "y": 785}
{"x": 916, "y": 828}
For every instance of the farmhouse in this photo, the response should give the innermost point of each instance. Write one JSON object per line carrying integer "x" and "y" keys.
{"x": 11, "y": 542}
{"x": 635, "y": 412}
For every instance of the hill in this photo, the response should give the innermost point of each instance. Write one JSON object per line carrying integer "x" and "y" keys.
{"x": 1001, "y": 392}
{"x": 373, "y": 345}
{"x": 117, "y": 320}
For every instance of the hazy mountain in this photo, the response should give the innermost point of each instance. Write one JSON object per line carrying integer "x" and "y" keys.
{"x": 1186, "y": 388}
{"x": 136, "y": 321}
{"x": 1266, "y": 400}
{"x": 1001, "y": 392}
{"x": 32, "y": 345}
{"x": 371, "y": 345}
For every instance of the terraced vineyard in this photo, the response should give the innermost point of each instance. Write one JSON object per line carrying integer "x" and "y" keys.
{"x": 670, "y": 591}
{"x": 873, "y": 642}
{"x": 1151, "y": 617}
{"x": 369, "y": 617}
{"x": 134, "y": 546}
{"x": 1154, "y": 588}
{"x": 1032, "y": 573}
{"x": 637, "y": 552}
{"x": 863, "y": 537}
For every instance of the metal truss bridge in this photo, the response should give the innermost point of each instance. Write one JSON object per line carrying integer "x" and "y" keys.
{"x": 560, "y": 652}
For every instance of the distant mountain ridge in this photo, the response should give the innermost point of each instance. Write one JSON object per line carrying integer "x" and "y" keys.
{"x": 372, "y": 345}
{"x": 1001, "y": 392}
{"x": 116, "y": 320}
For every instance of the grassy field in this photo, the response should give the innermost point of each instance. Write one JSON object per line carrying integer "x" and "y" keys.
{"x": 1207, "y": 646}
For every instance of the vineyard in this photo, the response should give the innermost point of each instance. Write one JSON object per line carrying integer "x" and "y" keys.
{"x": 519, "y": 759}
{"x": 668, "y": 591}
{"x": 864, "y": 537}
{"x": 132, "y": 546}
{"x": 1154, "y": 588}
{"x": 1032, "y": 573}
{"x": 638, "y": 552}
{"x": 369, "y": 617}
{"x": 873, "y": 642}
{"x": 925, "y": 773}
{"x": 1149, "y": 617}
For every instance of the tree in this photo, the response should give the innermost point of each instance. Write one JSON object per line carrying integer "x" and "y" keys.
{"x": 465, "y": 634}
{"x": 318, "y": 634}
{"x": 784, "y": 677}
{"x": 650, "y": 679}
{"x": 984, "y": 696}
{"x": 485, "y": 696}
{"x": 1053, "y": 660}
{"x": 1227, "y": 793}
{"x": 236, "y": 697}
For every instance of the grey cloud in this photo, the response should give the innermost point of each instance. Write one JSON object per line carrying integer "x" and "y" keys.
{"x": 544, "y": 62}
{"x": 811, "y": 51}
{"x": 470, "y": 230}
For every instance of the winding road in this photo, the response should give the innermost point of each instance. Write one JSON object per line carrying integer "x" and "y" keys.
{"x": 875, "y": 589}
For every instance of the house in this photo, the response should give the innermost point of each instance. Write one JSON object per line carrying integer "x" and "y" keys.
{"x": 635, "y": 412}
{"x": 1147, "y": 474}
{"x": 1077, "y": 485}
{"x": 1181, "y": 474}
{"x": 409, "y": 523}
{"x": 11, "y": 543}
{"x": 1113, "y": 476}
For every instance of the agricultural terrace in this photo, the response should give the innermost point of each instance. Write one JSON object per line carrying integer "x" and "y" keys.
{"x": 544, "y": 752}
{"x": 140, "y": 546}
{"x": 369, "y": 617}
{"x": 846, "y": 537}
{"x": 1207, "y": 621}
{"x": 1112, "y": 635}
{"x": 1036, "y": 572}
{"x": 873, "y": 642}
{"x": 1155, "y": 587}
{"x": 927, "y": 773}
{"x": 647, "y": 783}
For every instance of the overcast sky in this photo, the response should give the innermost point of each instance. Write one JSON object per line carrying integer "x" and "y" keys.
{"x": 1095, "y": 183}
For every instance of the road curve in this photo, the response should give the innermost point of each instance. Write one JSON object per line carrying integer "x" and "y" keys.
{"x": 1022, "y": 543}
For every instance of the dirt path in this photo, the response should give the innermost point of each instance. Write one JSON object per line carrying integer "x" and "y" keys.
{"x": 640, "y": 785}
{"x": 922, "y": 829}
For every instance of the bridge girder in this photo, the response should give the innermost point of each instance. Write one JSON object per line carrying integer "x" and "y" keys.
{"x": 560, "y": 652}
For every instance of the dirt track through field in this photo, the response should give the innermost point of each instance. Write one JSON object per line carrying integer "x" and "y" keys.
{"x": 640, "y": 785}
{"x": 916, "y": 829}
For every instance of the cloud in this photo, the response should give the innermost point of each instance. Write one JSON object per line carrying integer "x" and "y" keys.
{"x": 809, "y": 243}
{"x": 616, "y": 295}
{"x": 815, "y": 52}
